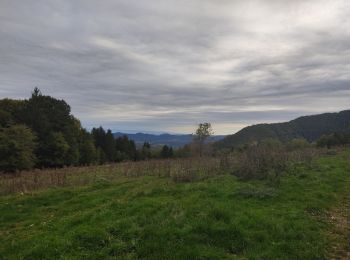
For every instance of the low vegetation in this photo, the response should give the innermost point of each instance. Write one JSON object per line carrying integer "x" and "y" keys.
{"x": 166, "y": 209}
{"x": 267, "y": 160}
{"x": 179, "y": 170}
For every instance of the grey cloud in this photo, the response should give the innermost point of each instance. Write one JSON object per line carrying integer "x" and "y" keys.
{"x": 167, "y": 65}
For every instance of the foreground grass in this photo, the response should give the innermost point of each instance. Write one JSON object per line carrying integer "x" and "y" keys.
{"x": 150, "y": 217}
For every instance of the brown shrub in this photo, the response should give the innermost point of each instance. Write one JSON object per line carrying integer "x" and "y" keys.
{"x": 255, "y": 162}
{"x": 269, "y": 162}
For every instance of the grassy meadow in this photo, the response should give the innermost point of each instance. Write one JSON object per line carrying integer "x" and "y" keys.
{"x": 150, "y": 210}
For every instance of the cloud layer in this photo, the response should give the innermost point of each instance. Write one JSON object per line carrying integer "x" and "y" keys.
{"x": 168, "y": 65}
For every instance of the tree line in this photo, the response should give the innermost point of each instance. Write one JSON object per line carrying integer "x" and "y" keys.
{"x": 41, "y": 132}
{"x": 334, "y": 139}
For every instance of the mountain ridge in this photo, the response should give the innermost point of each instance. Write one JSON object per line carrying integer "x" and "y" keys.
{"x": 309, "y": 127}
{"x": 174, "y": 140}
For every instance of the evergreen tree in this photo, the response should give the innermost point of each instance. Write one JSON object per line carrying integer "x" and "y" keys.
{"x": 17, "y": 146}
{"x": 52, "y": 122}
{"x": 109, "y": 146}
{"x": 11, "y": 112}
{"x": 106, "y": 142}
{"x": 171, "y": 152}
{"x": 54, "y": 150}
{"x": 60, "y": 141}
{"x": 126, "y": 149}
{"x": 167, "y": 152}
{"x": 87, "y": 150}
{"x": 99, "y": 136}
{"x": 146, "y": 151}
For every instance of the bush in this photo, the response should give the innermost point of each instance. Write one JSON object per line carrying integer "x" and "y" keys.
{"x": 297, "y": 144}
{"x": 54, "y": 151}
{"x": 335, "y": 139}
{"x": 17, "y": 145}
{"x": 261, "y": 161}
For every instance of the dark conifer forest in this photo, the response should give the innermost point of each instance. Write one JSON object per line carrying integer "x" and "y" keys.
{"x": 41, "y": 132}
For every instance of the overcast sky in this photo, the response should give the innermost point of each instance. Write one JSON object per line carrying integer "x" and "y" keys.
{"x": 167, "y": 65}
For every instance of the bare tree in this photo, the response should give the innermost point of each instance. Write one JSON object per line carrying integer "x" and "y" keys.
{"x": 203, "y": 132}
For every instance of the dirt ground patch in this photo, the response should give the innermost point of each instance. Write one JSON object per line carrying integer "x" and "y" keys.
{"x": 340, "y": 218}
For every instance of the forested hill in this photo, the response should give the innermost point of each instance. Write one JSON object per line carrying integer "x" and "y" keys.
{"x": 164, "y": 139}
{"x": 308, "y": 127}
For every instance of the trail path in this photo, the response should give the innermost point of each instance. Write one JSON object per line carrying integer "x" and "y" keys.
{"x": 340, "y": 217}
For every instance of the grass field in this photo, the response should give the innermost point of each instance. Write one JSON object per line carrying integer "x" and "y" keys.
{"x": 154, "y": 217}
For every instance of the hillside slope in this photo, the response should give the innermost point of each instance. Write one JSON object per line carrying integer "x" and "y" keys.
{"x": 163, "y": 139}
{"x": 308, "y": 127}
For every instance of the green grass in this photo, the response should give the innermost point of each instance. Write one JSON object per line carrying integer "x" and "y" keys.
{"x": 150, "y": 217}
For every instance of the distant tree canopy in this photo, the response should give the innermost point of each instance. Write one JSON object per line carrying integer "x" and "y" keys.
{"x": 58, "y": 134}
{"x": 335, "y": 139}
{"x": 105, "y": 143}
{"x": 42, "y": 132}
{"x": 203, "y": 132}
{"x": 126, "y": 149}
{"x": 17, "y": 148}
{"x": 184, "y": 151}
{"x": 87, "y": 149}
{"x": 167, "y": 152}
{"x": 146, "y": 151}
{"x": 57, "y": 130}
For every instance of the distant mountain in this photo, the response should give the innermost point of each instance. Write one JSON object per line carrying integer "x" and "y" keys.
{"x": 163, "y": 139}
{"x": 307, "y": 127}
